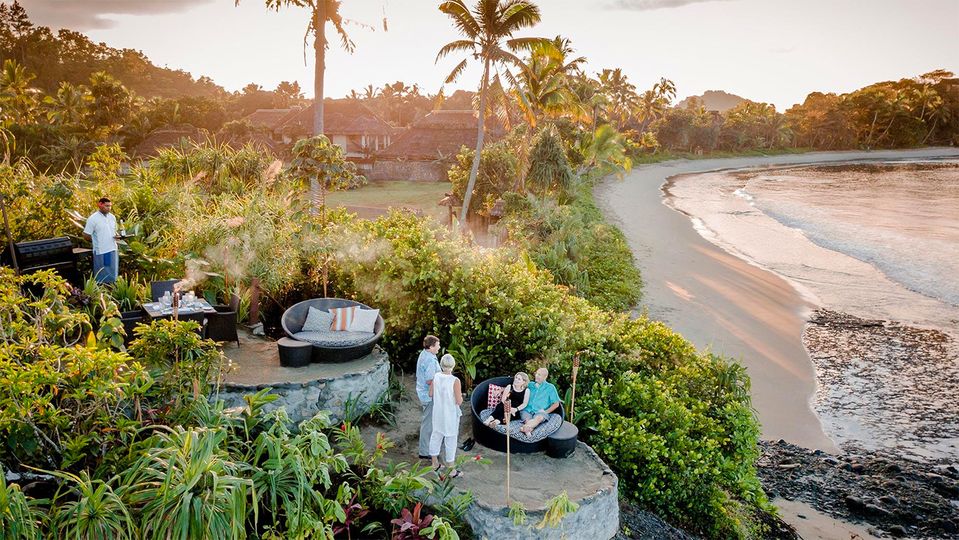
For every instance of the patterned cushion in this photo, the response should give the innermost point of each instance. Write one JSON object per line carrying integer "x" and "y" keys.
{"x": 342, "y": 318}
{"x": 317, "y": 320}
{"x": 542, "y": 431}
{"x": 494, "y": 395}
{"x": 334, "y": 339}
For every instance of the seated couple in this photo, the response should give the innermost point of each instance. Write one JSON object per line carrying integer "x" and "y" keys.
{"x": 530, "y": 402}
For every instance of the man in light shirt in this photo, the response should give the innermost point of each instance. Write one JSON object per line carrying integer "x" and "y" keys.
{"x": 101, "y": 230}
{"x": 426, "y": 366}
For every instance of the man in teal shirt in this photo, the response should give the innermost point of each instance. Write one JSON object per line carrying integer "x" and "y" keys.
{"x": 543, "y": 399}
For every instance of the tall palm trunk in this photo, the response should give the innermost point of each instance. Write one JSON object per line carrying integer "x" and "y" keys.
{"x": 480, "y": 135}
{"x": 319, "y": 68}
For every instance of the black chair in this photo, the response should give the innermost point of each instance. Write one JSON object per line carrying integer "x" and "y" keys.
{"x": 221, "y": 326}
{"x": 198, "y": 316}
{"x": 130, "y": 320}
{"x": 158, "y": 288}
{"x": 294, "y": 317}
{"x": 489, "y": 437}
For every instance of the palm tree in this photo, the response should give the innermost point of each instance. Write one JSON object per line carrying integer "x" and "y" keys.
{"x": 621, "y": 94}
{"x": 69, "y": 106}
{"x": 488, "y": 36}
{"x": 321, "y": 12}
{"x": 16, "y": 94}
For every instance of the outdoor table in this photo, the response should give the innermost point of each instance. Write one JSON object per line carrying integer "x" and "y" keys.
{"x": 156, "y": 310}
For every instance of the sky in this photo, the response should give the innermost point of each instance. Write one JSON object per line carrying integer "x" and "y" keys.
{"x": 776, "y": 51}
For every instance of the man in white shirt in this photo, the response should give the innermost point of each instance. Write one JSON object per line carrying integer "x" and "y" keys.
{"x": 101, "y": 230}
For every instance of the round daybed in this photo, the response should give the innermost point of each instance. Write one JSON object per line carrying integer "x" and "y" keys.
{"x": 331, "y": 346}
{"x": 494, "y": 438}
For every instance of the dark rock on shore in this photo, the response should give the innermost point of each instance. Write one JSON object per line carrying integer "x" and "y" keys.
{"x": 898, "y": 496}
{"x": 639, "y": 524}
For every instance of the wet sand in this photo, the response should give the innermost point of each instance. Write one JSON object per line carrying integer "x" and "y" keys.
{"x": 719, "y": 301}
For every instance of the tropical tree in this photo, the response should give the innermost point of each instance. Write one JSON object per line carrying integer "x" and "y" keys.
{"x": 69, "y": 106}
{"x": 488, "y": 31}
{"x": 321, "y": 13}
{"x": 18, "y": 100}
{"x": 620, "y": 93}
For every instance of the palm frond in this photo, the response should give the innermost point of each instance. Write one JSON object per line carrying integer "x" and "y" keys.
{"x": 456, "y": 72}
{"x": 453, "y": 46}
{"x": 462, "y": 18}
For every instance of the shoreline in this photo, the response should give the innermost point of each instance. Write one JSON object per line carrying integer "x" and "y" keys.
{"x": 726, "y": 304}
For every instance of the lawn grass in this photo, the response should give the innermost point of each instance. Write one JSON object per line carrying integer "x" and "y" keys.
{"x": 421, "y": 196}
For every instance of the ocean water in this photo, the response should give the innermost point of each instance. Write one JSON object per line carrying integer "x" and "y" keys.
{"x": 873, "y": 240}
{"x": 902, "y": 219}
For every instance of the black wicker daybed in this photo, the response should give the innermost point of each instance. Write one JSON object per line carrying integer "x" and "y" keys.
{"x": 495, "y": 439}
{"x": 331, "y": 346}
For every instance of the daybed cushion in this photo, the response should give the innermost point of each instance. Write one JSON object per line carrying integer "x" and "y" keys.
{"x": 364, "y": 320}
{"x": 317, "y": 320}
{"x": 343, "y": 318}
{"x": 334, "y": 339}
{"x": 494, "y": 396}
{"x": 542, "y": 431}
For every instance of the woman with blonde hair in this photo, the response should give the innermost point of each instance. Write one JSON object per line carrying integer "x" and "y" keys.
{"x": 518, "y": 396}
{"x": 447, "y": 394}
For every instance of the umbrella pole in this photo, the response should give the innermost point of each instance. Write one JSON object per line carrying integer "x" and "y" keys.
{"x": 508, "y": 410}
{"x": 572, "y": 401}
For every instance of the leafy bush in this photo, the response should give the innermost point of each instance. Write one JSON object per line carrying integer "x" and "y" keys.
{"x": 498, "y": 173}
{"x": 20, "y": 518}
{"x": 683, "y": 441}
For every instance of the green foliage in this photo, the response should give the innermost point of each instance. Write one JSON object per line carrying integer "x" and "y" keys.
{"x": 556, "y": 509}
{"x": 91, "y": 509}
{"x": 184, "y": 364}
{"x": 549, "y": 170}
{"x": 684, "y": 440}
{"x": 517, "y": 513}
{"x": 498, "y": 173}
{"x": 579, "y": 249}
{"x": 129, "y": 292}
{"x": 186, "y": 486}
{"x": 20, "y": 518}
{"x": 468, "y": 358}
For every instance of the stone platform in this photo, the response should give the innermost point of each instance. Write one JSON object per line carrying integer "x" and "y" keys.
{"x": 304, "y": 391}
{"x": 534, "y": 480}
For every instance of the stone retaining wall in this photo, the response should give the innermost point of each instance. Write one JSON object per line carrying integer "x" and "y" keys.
{"x": 596, "y": 519}
{"x": 302, "y": 400}
{"x": 417, "y": 171}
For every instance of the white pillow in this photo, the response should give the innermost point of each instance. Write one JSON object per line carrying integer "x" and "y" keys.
{"x": 364, "y": 320}
{"x": 317, "y": 320}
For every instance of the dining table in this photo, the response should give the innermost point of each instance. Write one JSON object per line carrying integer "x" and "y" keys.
{"x": 159, "y": 310}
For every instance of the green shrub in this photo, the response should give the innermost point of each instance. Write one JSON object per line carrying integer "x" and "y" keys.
{"x": 498, "y": 173}
{"x": 549, "y": 170}
{"x": 683, "y": 442}
{"x": 20, "y": 518}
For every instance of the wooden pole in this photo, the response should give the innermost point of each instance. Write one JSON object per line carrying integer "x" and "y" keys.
{"x": 507, "y": 406}
{"x": 572, "y": 401}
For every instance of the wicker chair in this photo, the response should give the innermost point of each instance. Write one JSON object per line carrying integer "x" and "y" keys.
{"x": 157, "y": 288}
{"x": 294, "y": 317}
{"x": 221, "y": 326}
{"x": 491, "y": 438}
{"x": 130, "y": 320}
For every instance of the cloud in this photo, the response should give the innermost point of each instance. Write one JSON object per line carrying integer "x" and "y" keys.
{"x": 95, "y": 14}
{"x": 647, "y": 5}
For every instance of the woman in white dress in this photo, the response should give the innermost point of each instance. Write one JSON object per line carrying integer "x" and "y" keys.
{"x": 447, "y": 394}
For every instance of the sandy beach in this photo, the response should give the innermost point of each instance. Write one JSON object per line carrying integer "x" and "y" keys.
{"x": 721, "y": 302}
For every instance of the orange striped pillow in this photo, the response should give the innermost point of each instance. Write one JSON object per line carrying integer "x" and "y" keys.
{"x": 342, "y": 318}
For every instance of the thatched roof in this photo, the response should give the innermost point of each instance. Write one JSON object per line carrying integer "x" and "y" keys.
{"x": 176, "y": 136}
{"x": 267, "y": 118}
{"x": 340, "y": 117}
{"x": 438, "y": 135}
